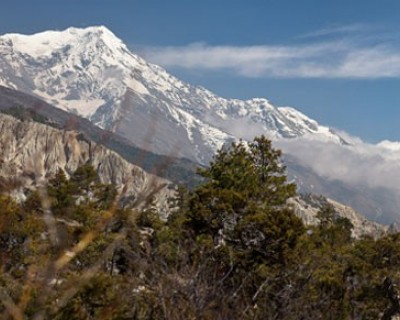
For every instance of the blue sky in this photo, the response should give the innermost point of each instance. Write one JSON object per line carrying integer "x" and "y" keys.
{"x": 336, "y": 61}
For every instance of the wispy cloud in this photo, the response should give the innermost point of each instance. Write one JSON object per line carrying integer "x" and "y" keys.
{"x": 343, "y": 57}
{"x": 335, "y": 30}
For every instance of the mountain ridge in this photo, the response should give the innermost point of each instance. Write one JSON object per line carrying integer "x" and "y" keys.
{"x": 112, "y": 86}
{"x": 93, "y": 73}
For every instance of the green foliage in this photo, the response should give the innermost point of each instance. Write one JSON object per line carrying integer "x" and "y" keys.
{"x": 27, "y": 114}
{"x": 33, "y": 202}
{"x": 61, "y": 191}
{"x": 84, "y": 177}
{"x": 105, "y": 195}
{"x": 244, "y": 204}
{"x": 333, "y": 228}
{"x": 149, "y": 218}
{"x": 81, "y": 193}
{"x": 231, "y": 249}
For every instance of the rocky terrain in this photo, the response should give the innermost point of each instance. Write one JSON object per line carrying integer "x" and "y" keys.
{"x": 307, "y": 206}
{"x": 31, "y": 153}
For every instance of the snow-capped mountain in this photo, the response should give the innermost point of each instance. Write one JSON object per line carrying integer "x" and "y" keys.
{"x": 92, "y": 73}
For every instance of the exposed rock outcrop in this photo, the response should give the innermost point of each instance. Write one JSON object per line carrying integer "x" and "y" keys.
{"x": 307, "y": 207}
{"x": 31, "y": 153}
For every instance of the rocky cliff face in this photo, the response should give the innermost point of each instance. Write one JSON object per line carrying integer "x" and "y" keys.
{"x": 31, "y": 153}
{"x": 307, "y": 207}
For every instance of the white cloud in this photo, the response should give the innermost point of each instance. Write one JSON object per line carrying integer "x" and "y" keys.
{"x": 349, "y": 57}
{"x": 358, "y": 164}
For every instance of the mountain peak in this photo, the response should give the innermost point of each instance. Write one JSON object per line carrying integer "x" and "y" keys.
{"x": 96, "y": 32}
{"x": 92, "y": 29}
{"x": 47, "y": 42}
{"x": 76, "y": 69}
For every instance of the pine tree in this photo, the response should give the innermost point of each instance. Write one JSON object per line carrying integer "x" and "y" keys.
{"x": 84, "y": 177}
{"x": 60, "y": 190}
{"x": 244, "y": 201}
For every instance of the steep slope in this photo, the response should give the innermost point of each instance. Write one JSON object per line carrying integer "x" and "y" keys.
{"x": 307, "y": 207}
{"x": 91, "y": 72}
{"x": 31, "y": 153}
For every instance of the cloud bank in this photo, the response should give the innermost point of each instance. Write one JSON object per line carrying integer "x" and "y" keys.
{"x": 355, "y": 54}
{"x": 375, "y": 166}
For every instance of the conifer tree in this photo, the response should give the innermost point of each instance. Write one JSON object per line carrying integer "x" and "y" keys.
{"x": 60, "y": 190}
{"x": 244, "y": 203}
